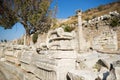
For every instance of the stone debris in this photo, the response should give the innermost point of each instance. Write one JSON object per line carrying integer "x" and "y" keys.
{"x": 112, "y": 75}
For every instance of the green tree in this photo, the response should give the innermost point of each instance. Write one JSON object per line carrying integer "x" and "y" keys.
{"x": 5, "y": 40}
{"x": 31, "y": 13}
{"x": 1, "y": 40}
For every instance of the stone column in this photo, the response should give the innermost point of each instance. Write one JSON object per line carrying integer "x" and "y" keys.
{"x": 81, "y": 40}
{"x": 115, "y": 40}
{"x": 25, "y": 39}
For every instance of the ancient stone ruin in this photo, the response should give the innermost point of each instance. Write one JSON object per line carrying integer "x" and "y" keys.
{"x": 64, "y": 56}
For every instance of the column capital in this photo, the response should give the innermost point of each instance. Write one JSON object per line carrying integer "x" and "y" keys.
{"x": 79, "y": 12}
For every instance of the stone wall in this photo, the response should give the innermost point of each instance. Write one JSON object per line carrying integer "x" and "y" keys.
{"x": 99, "y": 33}
{"x": 55, "y": 58}
{"x": 107, "y": 40}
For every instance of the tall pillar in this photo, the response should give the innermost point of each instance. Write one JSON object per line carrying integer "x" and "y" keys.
{"x": 81, "y": 40}
{"x": 25, "y": 39}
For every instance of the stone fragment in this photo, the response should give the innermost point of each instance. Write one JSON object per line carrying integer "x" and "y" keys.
{"x": 117, "y": 72}
{"x": 12, "y": 59}
{"x": 82, "y": 75}
{"x": 30, "y": 76}
{"x": 116, "y": 63}
{"x": 103, "y": 73}
{"x": 27, "y": 67}
{"x": 112, "y": 75}
{"x": 3, "y": 59}
{"x": 9, "y": 53}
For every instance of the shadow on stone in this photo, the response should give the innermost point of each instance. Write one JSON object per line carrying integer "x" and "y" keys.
{"x": 105, "y": 75}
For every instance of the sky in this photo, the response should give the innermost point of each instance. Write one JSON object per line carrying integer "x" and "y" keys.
{"x": 66, "y": 8}
{"x": 10, "y": 34}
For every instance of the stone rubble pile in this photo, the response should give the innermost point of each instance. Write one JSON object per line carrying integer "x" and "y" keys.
{"x": 101, "y": 18}
{"x": 96, "y": 66}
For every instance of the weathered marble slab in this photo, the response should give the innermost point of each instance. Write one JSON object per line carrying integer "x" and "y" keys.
{"x": 11, "y": 71}
{"x": 27, "y": 67}
{"x": 45, "y": 66}
{"x": 12, "y": 59}
{"x": 39, "y": 73}
{"x": 64, "y": 54}
{"x": 30, "y": 76}
{"x": 26, "y": 57}
{"x": 45, "y": 75}
{"x": 117, "y": 72}
{"x": 43, "y": 59}
{"x": 9, "y": 53}
{"x": 82, "y": 75}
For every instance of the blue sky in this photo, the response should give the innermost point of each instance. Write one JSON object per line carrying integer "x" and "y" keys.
{"x": 10, "y": 34}
{"x": 66, "y": 8}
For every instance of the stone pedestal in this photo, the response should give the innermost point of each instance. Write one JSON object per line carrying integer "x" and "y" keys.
{"x": 65, "y": 63}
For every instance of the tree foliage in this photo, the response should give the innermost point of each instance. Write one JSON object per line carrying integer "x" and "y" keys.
{"x": 7, "y": 18}
{"x": 31, "y": 13}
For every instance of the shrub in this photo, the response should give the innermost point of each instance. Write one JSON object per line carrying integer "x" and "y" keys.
{"x": 68, "y": 28}
{"x": 35, "y": 37}
{"x": 94, "y": 16}
{"x": 87, "y": 19}
{"x": 100, "y": 8}
{"x": 5, "y": 40}
{"x": 2, "y": 41}
{"x": 114, "y": 22}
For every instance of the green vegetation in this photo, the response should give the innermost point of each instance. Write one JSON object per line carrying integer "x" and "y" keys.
{"x": 100, "y": 8}
{"x": 4, "y": 40}
{"x": 68, "y": 28}
{"x": 94, "y": 16}
{"x": 99, "y": 11}
{"x": 33, "y": 14}
{"x": 97, "y": 66}
{"x": 115, "y": 22}
{"x": 35, "y": 37}
{"x": 87, "y": 19}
